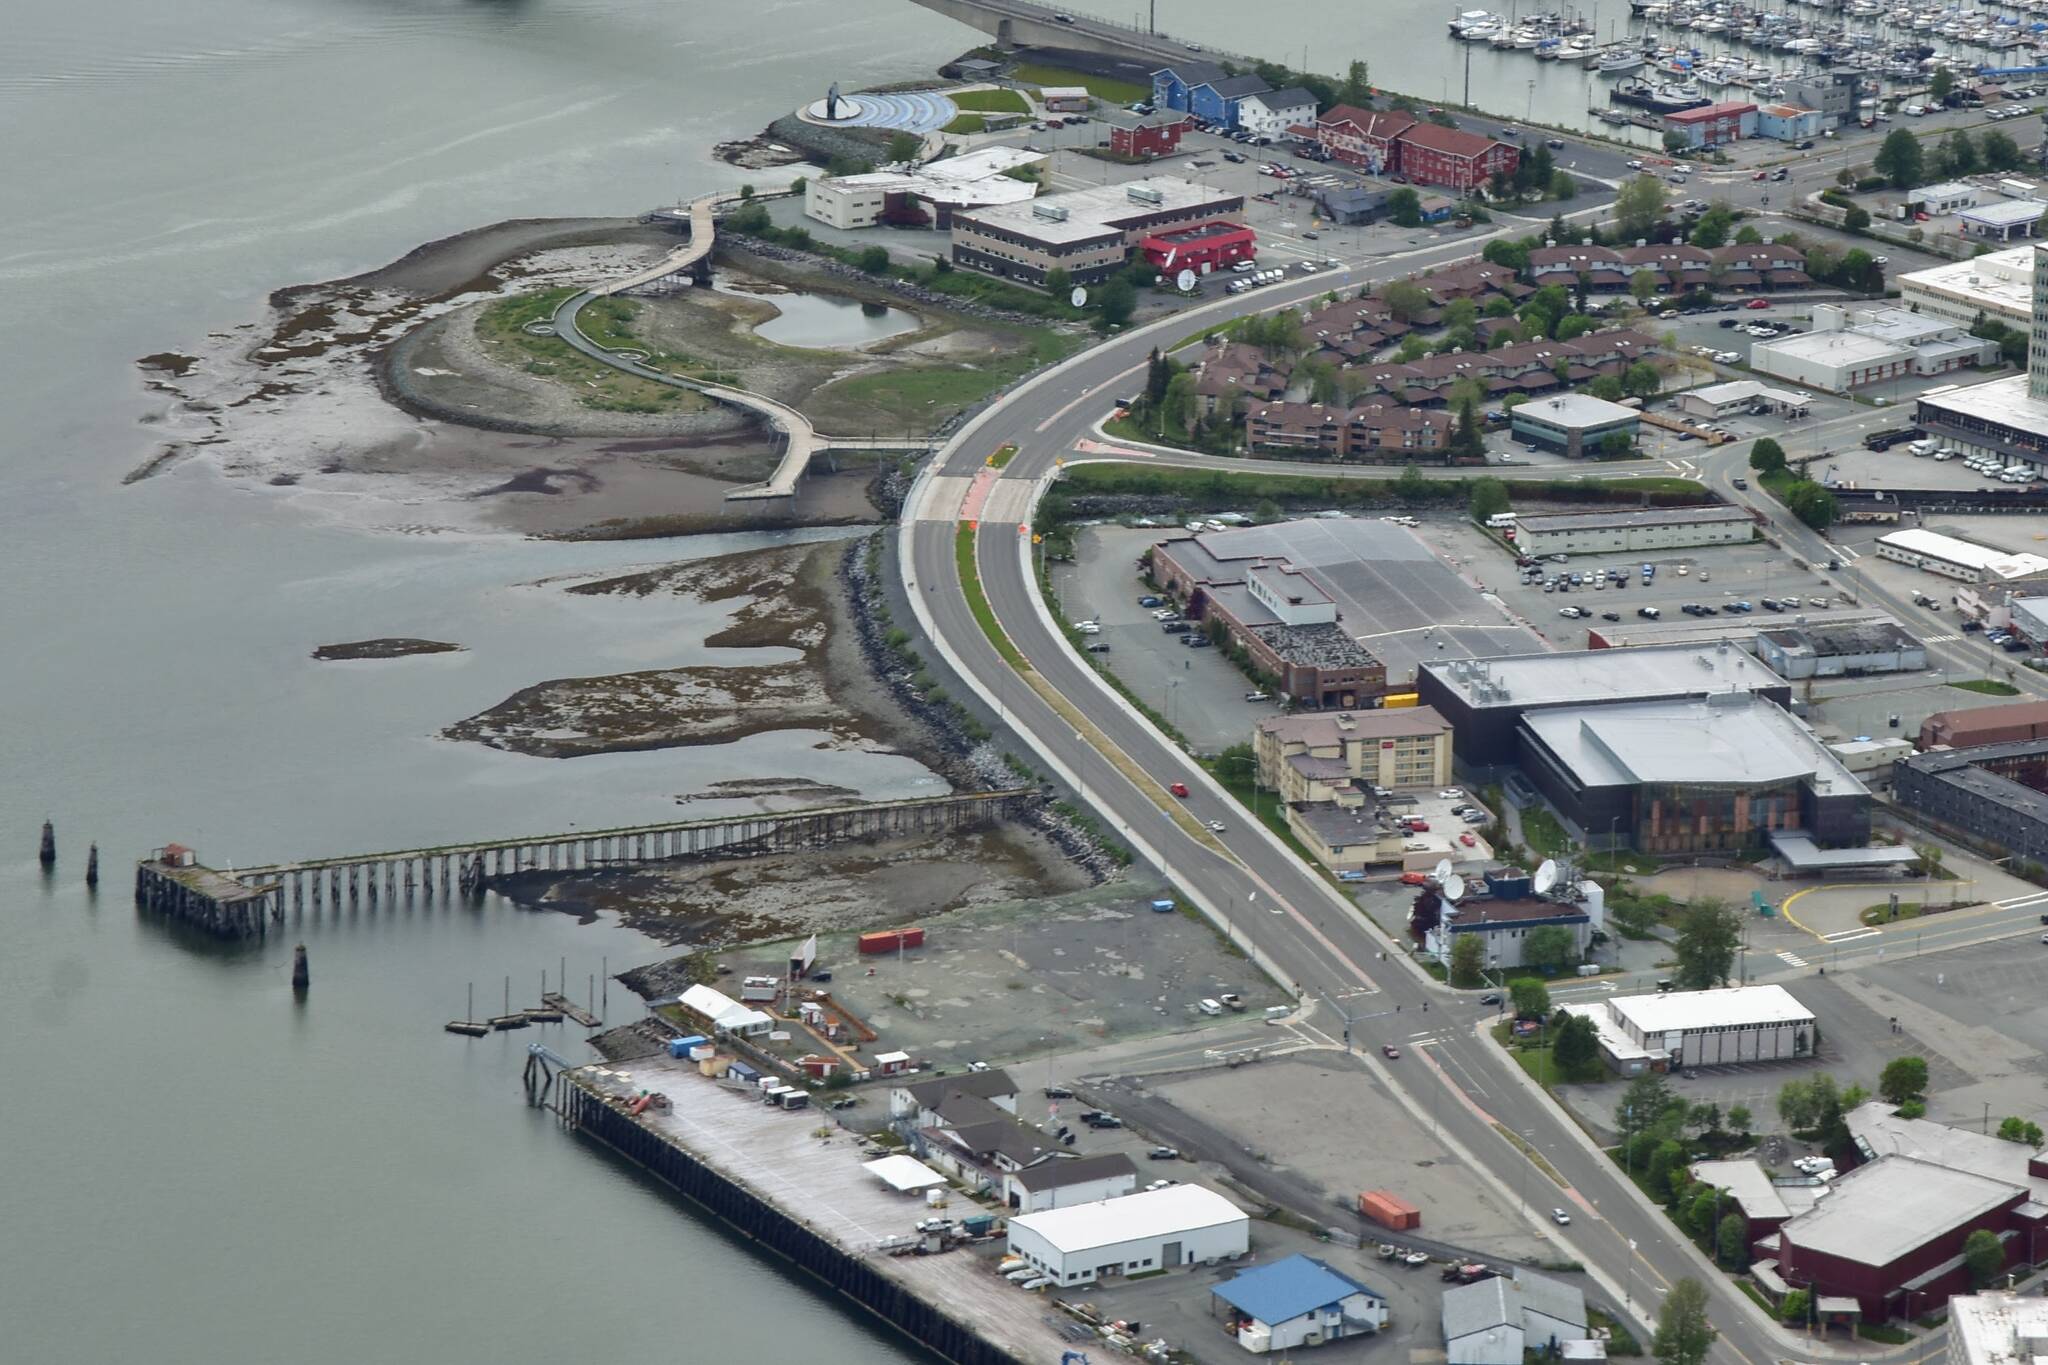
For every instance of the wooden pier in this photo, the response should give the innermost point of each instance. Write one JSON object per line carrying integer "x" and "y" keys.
{"x": 241, "y": 903}
{"x": 562, "y": 1004}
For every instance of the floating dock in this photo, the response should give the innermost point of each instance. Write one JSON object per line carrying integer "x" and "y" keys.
{"x": 768, "y": 1174}
{"x": 562, "y": 1004}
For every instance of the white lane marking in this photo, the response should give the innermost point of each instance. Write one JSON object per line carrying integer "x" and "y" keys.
{"x": 1792, "y": 959}
{"x": 1850, "y": 935}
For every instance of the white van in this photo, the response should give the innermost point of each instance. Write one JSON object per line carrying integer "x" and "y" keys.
{"x": 1925, "y": 447}
{"x": 1210, "y": 1007}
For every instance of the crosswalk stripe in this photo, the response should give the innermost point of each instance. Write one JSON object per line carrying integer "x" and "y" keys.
{"x": 1792, "y": 959}
{"x": 1939, "y": 639}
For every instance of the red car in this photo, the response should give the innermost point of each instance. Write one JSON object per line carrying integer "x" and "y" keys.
{"x": 1757, "y": 303}
{"x": 1389, "y": 1050}
{"x": 1468, "y": 841}
{"x": 1418, "y": 878}
{"x": 1179, "y": 789}
{"x": 1417, "y": 826}
{"x": 1761, "y": 175}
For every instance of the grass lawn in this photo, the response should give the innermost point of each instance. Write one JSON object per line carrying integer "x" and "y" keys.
{"x": 1543, "y": 833}
{"x": 977, "y": 600}
{"x": 1002, "y": 457}
{"x": 1102, "y": 87}
{"x": 1990, "y": 687}
{"x": 1270, "y": 813}
{"x": 967, "y": 123}
{"x": 501, "y": 328}
{"x": 989, "y": 101}
{"x": 918, "y": 396}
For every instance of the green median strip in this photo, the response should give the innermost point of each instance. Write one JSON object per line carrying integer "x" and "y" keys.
{"x": 977, "y": 600}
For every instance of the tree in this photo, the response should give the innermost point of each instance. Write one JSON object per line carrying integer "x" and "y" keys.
{"x": 1468, "y": 958}
{"x": 1116, "y": 301}
{"x": 1575, "y": 1047}
{"x": 2020, "y": 1131}
{"x": 1639, "y": 206}
{"x": 1713, "y": 227}
{"x": 1357, "y": 86}
{"x": 1731, "y": 1240}
{"x": 1683, "y": 1332}
{"x": 1903, "y": 1078}
{"x": 1666, "y": 1161}
{"x": 1748, "y": 236}
{"x": 1404, "y": 207}
{"x": 903, "y": 147}
{"x": 1411, "y": 485}
{"x": 1405, "y": 299}
{"x": 1811, "y": 503}
{"x": 1641, "y": 380}
{"x": 1320, "y": 376}
{"x": 1058, "y": 282}
{"x": 1177, "y": 409}
{"x": 1505, "y": 251}
{"x": 1957, "y": 154}
{"x": 1488, "y": 497}
{"x": 1607, "y": 386}
{"x": 1676, "y": 144}
{"x": 1531, "y": 998}
{"x": 874, "y": 259}
{"x": 1812, "y": 1105}
{"x": 1460, "y": 313}
{"x": 1644, "y": 1105}
{"x": 1899, "y": 159}
{"x": 1267, "y": 510}
{"x": 1794, "y": 1307}
{"x": 1704, "y": 1211}
{"x": 1158, "y": 373}
{"x": 1855, "y": 218}
{"x": 1705, "y": 1117}
{"x": 1467, "y": 440}
{"x": 1984, "y": 1254}
{"x": 1739, "y": 1119}
{"x": 1572, "y": 326}
{"x": 1708, "y": 935}
{"x": 1941, "y": 85}
{"x": 1999, "y": 152}
{"x": 1562, "y": 186}
{"x": 1767, "y": 456}
{"x": 1615, "y": 445}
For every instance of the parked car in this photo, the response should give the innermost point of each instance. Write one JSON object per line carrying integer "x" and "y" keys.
{"x": 1758, "y": 304}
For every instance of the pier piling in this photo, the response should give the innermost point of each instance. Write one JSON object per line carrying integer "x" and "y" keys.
{"x": 92, "y": 866}
{"x": 302, "y": 976}
{"x": 49, "y": 850}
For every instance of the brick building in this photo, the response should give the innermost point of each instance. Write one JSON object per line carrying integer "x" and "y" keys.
{"x": 1451, "y": 157}
{"x": 1713, "y": 125}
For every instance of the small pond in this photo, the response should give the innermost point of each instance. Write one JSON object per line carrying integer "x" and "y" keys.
{"x": 826, "y": 321}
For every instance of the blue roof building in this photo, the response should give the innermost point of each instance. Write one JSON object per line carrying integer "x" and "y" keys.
{"x": 1299, "y": 1301}
{"x": 1172, "y": 85}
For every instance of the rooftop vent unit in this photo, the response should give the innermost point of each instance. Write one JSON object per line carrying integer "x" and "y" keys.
{"x": 1052, "y": 213}
{"x": 1143, "y": 194}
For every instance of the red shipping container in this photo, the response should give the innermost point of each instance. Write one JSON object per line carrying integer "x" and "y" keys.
{"x": 1389, "y": 1210}
{"x": 912, "y": 938}
{"x": 885, "y": 941}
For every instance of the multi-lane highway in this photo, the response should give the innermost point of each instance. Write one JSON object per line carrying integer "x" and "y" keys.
{"x": 1299, "y": 929}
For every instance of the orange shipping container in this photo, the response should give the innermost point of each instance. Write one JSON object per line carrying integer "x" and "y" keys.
{"x": 1389, "y": 1210}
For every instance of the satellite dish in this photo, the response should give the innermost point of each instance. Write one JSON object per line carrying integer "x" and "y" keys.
{"x": 1079, "y": 298}
{"x": 1185, "y": 280}
{"x": 1443, "y": 869}
{"x": 1546, "y": 876}
{"x": 1454, "y": 889}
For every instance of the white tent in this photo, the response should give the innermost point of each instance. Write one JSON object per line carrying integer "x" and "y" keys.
{"x": 904, "y": 1173}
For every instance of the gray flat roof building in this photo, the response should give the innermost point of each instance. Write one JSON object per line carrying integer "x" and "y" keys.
{"x": 1977, "y": 791}
{"x": 1833, "y": 649}
{"x": 1647, "y": 516}
{"x": 1888, "y": 1208}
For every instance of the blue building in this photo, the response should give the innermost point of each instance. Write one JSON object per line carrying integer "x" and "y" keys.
{"x": 1172, "y": 86}
{"x": 1298, "y": 1301}
{"x": 1218, "y": 100}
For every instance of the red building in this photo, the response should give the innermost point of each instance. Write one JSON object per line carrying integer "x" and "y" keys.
{"x": 1147, "y": 140}
{"x": 1712, "y": 125}
{"x": 1432, "y": 155}
{"x": 1891, "y": 1232}
{"x": 1203, "y": 248}
{"x": 1361, "y": 137}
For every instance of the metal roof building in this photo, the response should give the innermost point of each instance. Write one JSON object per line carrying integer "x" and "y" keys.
{"x": 1300, "y": 1301}
{"x": 1702, "y": 1028}
{"x": 1489, "y": 1323}
{"x": 1652, "y": 528}
{"x": 1155, "y": 1230}
{"x": 1835, "y": 649}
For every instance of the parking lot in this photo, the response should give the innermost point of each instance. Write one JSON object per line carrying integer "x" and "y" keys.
{"x": 1707, "y": 576}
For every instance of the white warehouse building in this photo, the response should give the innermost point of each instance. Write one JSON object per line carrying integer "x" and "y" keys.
{"x": 1654, "y": 528}
{"x": 1999, "y": 286}
{"x": 1963, "y": 560}
{"x": 1849, "y": 348}
{"x": 1155, "y": 1230}
{"x": 1700, "y": 1028}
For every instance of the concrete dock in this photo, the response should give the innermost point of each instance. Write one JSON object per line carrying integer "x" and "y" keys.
{"x": 780, "y": 1159}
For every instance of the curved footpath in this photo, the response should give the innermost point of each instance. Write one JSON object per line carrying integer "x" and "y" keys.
{"x": 800, "y": 439}
{"x": 1244, "y": 879}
